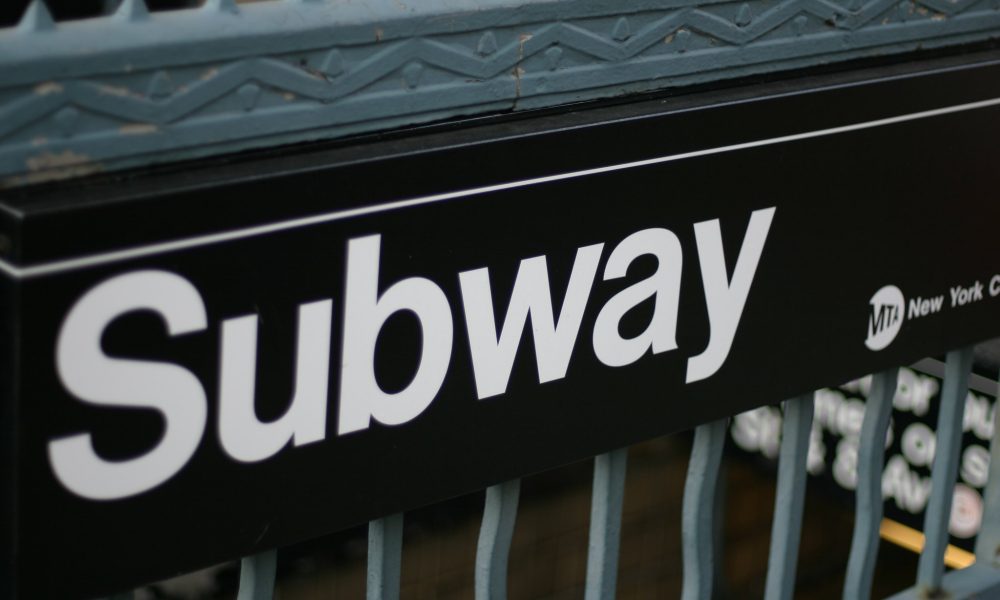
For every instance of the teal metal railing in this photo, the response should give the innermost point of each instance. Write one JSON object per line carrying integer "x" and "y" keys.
{"x": 699, "y": 513}
{"x": 868, "y": 504}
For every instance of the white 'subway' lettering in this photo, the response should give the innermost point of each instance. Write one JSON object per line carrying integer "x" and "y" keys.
{"x": 493, "y": 341}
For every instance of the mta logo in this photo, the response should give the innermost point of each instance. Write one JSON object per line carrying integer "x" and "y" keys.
{"x": 881, "y": 317}
{"x": 885, "y": 317}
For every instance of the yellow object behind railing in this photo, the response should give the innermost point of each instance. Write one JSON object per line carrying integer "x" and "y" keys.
{"x": 911, "y": 539}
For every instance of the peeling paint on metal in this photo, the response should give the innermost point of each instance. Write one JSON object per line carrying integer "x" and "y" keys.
{"x": 138, "y": 129}
{"x": 48, "y": 87}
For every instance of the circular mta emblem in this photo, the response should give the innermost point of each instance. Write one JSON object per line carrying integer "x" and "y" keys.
{"x": 885, "y": 317}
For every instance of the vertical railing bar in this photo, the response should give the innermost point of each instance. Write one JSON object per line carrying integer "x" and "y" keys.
{"x": 698, "y": 513}
{"x": 108, "y": 7}
{"x": 495, "y": 535}
{"x": 257, "y": 576}
{"x": 719, "y": 582}
{"x": 605, "y": 524}
{"x": 954, "y": 390}
{"x": 988, "y": 539}
{"x": 786, "y": 527}
{"x": 385, "y": 553}
{"x": 868, "y": 509}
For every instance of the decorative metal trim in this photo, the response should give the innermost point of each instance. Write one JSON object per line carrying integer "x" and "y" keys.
{"x": 138, "y": 88}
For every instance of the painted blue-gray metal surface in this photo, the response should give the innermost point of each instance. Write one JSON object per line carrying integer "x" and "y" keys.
{"x": 605, "y": 524}
{"x": 786, "y": 527}
{"x": 138, "y": 87}
{"x": 868, "y": 504}
{"x": 982, "y": 579}
{"x": 988, "y": 539}
{"x": 257, "y": 576}
{"x": 493, "y": 549}
{"x": 948, "y": 435}
{"x": 976, "y": 582}
{"x": 698, "y": 512}
{"x": 385, "y": 557}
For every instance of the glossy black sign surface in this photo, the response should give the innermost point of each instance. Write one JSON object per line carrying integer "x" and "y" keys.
{"x": 779, "y": 217}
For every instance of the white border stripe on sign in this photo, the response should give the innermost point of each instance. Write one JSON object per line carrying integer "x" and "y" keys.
{"x": 247, "y": 232}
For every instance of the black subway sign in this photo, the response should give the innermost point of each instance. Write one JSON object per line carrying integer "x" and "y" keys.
{"x": 93, "y": 377}
{"x": 194, "y": 373}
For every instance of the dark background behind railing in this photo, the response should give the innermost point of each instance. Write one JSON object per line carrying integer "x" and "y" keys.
{"x": 549, "y": 551}
{"x": 66, "y": 10}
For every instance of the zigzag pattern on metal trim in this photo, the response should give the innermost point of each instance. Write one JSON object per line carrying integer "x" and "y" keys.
{"x": 71, "y": 112}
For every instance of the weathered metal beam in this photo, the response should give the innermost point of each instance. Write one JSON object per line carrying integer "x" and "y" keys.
{"x": 135, "y": 88}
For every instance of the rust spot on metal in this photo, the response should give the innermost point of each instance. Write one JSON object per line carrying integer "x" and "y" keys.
{"x": 138, "y": 129}
{"x": 50, "y": 160}
{"x": 50, "y": 166}
{"x": 48, "y": 87}
{"x": 209, "y": 74}
{"x": 310, "y": 71}
{"x": 518, "y": 71}
{"x": 115, "y": 90}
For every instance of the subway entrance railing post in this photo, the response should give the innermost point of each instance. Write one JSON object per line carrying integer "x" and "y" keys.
{"x": 239, "y": 352}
